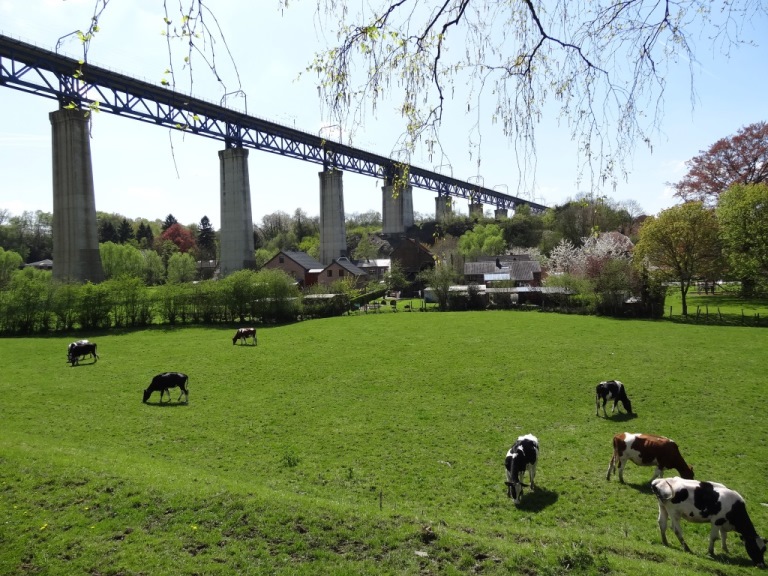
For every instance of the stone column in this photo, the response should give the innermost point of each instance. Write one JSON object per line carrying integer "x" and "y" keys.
{"x": 333, "y": 230}
{"x": 500, "y": 213}
{"x": 75, "y": 236}
{"x": 443, "y": 208}
{"x": 392, "y": 212}
{"x": 407, "y": 207}
{"x": 475, "y": 209}
{"x": 236, "y": 237}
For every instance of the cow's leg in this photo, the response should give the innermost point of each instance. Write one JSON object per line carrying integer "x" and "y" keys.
{"x": 532, "y": 475}
{"x": 723, "y": 535}
{"x": 611, "y": 466}
{"x": 713, "y": 533}
{"x": 663, "y": 524}
{"x": 597, "y": 405}
{"x": 622, "y": 463}
{"x": 679, "y": 532}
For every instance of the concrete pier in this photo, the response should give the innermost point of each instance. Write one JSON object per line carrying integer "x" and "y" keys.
{"x": 475, "y": 210}
{"x": 443, "y": 208}
{"x": 500, "y": 213}
{"x": 391, "y": 212}
{"x": 236, "y": 237}
{"x": 333, "y": 228}
{"x": 75, "y": 235}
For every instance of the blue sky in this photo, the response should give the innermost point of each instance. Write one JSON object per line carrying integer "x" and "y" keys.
{"x": 133, "y": 163}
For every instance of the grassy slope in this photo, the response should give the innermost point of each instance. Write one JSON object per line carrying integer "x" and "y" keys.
{"x": 346, "y": 445}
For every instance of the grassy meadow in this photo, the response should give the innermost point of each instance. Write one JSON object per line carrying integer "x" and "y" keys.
{"x": 372, "y": 444}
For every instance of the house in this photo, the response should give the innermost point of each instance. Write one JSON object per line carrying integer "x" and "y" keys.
{"x": 413, "y": 257}
{"x": 46, "y": 264}
{"x": 299, "y": 265}
{"x": 519, "y": 270}
{"x": 340, "y": 269}
{"x": 376, "y": 268}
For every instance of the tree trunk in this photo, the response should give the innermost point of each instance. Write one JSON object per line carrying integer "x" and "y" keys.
{"x": 683, "y": 294}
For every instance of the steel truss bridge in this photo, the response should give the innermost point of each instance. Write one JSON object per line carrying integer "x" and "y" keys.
{"x": 32, "y": 69}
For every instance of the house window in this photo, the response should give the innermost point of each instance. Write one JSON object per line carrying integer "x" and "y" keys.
{"x": 281, "y": 259}
{"x": 341, "y": 273}
{"x": 330, "y": 273}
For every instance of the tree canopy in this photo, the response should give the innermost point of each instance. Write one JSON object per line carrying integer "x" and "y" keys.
{"x": 742, "y": 212}
{"x": 738, "y": 159}
{"x": 681, "y": 244}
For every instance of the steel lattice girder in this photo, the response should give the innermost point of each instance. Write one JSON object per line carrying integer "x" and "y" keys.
{"x": 31, "y": 69}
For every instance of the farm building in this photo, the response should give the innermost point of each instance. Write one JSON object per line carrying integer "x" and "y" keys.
{"x": 299, "y": 265}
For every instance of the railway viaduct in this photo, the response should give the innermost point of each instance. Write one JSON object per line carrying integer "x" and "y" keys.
{"x": 80, "y": 87}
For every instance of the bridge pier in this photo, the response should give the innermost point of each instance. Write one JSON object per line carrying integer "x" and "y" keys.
{"x": 75, "y": 235}
{"x": 236, "y": 237}
{"x": 500, "y": 213}
{"x": 333, "y": 228}
{"x": 475, "y": 209}
{"x": 443, "y": 208}
{"x": 396, "y": 213}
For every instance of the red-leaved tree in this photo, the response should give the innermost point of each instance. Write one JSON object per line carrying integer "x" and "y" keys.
{"x": 738, "y": 159}
{"x": 180, "y": 236}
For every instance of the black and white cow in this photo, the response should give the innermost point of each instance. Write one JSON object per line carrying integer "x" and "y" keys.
{"x": 524, "y": 455}
{"x": 611, "y": 390}
{"x": 709, "y": 502}
{"x": 163, "y": 382}
{"x": 76, "y": 351}
{"x": 243, "y": 334}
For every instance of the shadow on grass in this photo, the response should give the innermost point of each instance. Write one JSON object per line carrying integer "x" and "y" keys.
{"x": 537, "y": 500}
{"x": 620, "y": 417}
{"x": 79, "y": 364}
{"x": 643, "y": 487}
{"x": 170, "y": 404}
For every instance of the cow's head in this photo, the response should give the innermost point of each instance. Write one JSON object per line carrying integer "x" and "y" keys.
{"x": 756, "y": 549}
{"x": 627, "y": 405}
{"x": 147, "y": 394}
{"x": 687, "y": 473}
{"x": 515, "y": 490}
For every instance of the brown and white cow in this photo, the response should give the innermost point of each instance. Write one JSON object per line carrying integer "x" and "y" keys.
{"x": 647, "y": 450}
{"x": 243, "y": 334}
{"x": 709, "y": 502}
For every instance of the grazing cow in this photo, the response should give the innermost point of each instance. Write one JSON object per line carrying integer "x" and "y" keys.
{"x": 709, "y": 502}
{"x": 76, "y": 351}
{"x": 611, "y": 390}
{"x": 243, "y": 334}
{"x": 647, "y": 450}
{"x": 523, "y": 455}
{"x": 163, "y": 382}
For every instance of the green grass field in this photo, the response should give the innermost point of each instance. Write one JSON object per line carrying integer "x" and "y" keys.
{"x": 371, "y": 444}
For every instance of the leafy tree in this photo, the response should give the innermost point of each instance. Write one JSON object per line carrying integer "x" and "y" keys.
{"x": 483, "y": 240}
{"x": 9, "y": 261}
{"x": 310, "y": 245}
{"x": 121, "y": 260}
{"x": 154, "y": 268}
{"x": 144, "y": 236}
{"x": 125, "y": 231}
{"x": 305, "y": 226}
{"x": 272, "y": 225}
{"x": 168, "y": 222}
{"x": 738, "y": 159}
{"x": 181, "y": 268}
{"x": 682, "y": 244}
{"x": 366, "y": 249}
{"x": 180, "y": 236}
{"x": 206, "y": 239}
{"x": 742, "y": 212}
{"x": 523, "y": 229}
{"x": 107, "y": 232}
{"x": 394, "y": 278}
{"x": 440, "y": 279}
